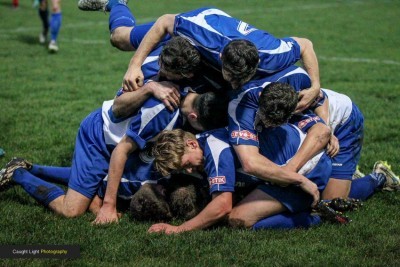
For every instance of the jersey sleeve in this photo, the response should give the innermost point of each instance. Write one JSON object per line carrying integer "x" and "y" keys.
{"x": 305, "y": 121}
{"x": 220, "y": 171}
{"x": 152, "y": 118}
{"x": 242, "y": 113}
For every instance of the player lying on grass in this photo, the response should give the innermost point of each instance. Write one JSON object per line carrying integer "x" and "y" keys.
{"x": 224, "y": 42}
{"x": 347, "y": 124}
{"x": 105, "y": 147}
{"x": 211, "y": 152}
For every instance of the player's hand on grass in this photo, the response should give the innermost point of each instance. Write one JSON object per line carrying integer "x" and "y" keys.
{"x": 312, "y": 189}
{"x": 333, "y": 146}
{"x": 133, "y": 79}
{"x": 107, "y": 215}
{"x": 306, "y": 98}
{"x": 167, "y": 92}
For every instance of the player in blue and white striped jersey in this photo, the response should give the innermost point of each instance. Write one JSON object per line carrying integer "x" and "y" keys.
{"x": 243, "y": 133}
{"x": 211, "y": 152}
{"x": 347, "y": 124}
{"x": 208, "y": 153}
{"x": 103, "y": 148}
{"x": 243, "y": 48}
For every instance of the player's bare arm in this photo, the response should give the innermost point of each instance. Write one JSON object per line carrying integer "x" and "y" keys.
{"x": 256, "y": 164}
{"x": 108, "y": 212}
{"x": 133, "y": 78}
{"x": 219, "y": 207}
{"x": 130, "y": 102}
{"x": 310, "y": 64}
{"x": 322, "y": 111}
{"x": 316, "y": 140}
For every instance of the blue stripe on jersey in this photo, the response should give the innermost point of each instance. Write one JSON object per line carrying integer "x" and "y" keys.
{"x": 211, "y": 29}
{"x": 244, "y": 104}
{"x": 152, "y": 118}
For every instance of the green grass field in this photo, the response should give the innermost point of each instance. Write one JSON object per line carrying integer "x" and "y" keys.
{"x": 43, "y": 98}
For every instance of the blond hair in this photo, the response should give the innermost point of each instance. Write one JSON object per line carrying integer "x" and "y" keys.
{"x": 169, "y": 149}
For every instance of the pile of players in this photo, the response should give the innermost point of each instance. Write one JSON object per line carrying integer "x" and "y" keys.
{"x": 211, "y": 103}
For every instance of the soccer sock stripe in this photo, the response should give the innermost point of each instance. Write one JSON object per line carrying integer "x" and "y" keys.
{"x": 55, "y": 25}
{"x": 120, "y": 16}
{"x": 37, "y": 188}
{"x": 288, "y": 220}
{"x": 58, "y": 175}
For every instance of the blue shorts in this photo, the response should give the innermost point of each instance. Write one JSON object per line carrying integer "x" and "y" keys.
{"x": 350, "y": 136}
{"x": 293, "y": 197}
{"x": 139, "y": 31}
{"x": 91, "y": 156}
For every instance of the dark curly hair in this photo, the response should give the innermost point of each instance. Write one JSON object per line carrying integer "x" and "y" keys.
{"x": 180, "y": 57}
{"x": 277, "y": 103}
{"x": 240, "y": 60}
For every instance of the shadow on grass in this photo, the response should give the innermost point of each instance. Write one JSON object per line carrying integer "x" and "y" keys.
{"x": 29, "y": 39}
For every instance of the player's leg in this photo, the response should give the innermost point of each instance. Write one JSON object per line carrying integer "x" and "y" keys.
{"x": 55, "y": 24}
{"x": 44, "y": 17}
{"x": 52, "y": 174}
{"x": 288, "y": 220}
{"x": 337, "y": 188}
{"x": 254, "y": 207}
{"x": 344, "y": 164}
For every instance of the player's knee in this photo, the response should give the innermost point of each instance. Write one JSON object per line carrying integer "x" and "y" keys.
{"x": 120, "y": 39}
{"x": 71, "y": 212}
{"x": 237, "y": 221}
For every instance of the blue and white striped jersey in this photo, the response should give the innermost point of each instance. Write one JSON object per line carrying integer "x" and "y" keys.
{"x": 244, "y": 104}
{"x": 281, "y": 143}
{"x": 152, "y": 118}
{"x": 210, "y": 30}
{"x": 221, "y": 163}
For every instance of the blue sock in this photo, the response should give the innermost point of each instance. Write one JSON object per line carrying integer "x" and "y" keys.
{"x": 365, "y": 187}
{"x": 58, "y": 175}
{"x": 288, "y": 220}
{"x": 120, "y": 16}
{"x": 55, "y": 25}
{"x": 112, "y": 3}
{"x": 39, "y": 189}
{"x": 44, "y": 17}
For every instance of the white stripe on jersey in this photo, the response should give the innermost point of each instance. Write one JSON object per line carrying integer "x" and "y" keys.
{"x": 216, "y": 147}
{"x": 149, "y": 113}
{"x": 113, "y": 132}
{"x": 150, "y": 59}
{"x": 340, "y": 108}
{"x": 284, "y": 47}
{"x": 199, "y": 19}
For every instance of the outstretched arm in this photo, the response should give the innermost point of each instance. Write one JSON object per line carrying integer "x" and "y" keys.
{"x": 130, "y": 102}
{"x": 133, "y": 78}
{"x": 256, "y": 164}
{"x": 108, "y": 212}
{"x": 217, "y": 209}
{"x": 310, "y": 64}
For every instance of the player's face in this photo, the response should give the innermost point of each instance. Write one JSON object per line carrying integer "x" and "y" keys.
{"x": 193, "y": 160}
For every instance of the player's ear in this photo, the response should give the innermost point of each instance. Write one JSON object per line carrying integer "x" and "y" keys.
{"x": 191, "y": 143}
{"x": 192, "y": 116}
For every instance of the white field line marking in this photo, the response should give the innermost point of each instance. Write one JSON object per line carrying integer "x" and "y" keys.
{"x": 361, "y": 60}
